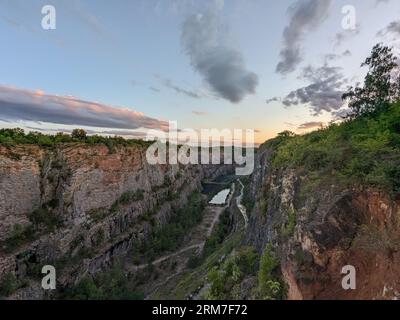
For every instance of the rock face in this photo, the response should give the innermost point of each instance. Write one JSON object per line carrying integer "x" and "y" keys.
{"x": 80, "y": 207}
{"x": 317, "y": 229}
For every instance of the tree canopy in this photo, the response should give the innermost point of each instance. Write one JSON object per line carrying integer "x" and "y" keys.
{"x": 381, "y": 84}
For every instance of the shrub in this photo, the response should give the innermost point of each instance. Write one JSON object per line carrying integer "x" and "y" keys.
{"x": 225, "y": 280}
{"x": 8, "y": 285}
{"x": 110, "y": 285}
{"x": 269, "y": 286}
{"x": 79, "y": 134}
{"x": 19, "y": 236}
{"x": 46, "y": 219}
{"x": 171, "y": 236}
{"x": 291, "y": 224}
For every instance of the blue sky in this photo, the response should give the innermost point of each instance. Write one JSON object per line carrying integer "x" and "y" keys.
{"x": 131, "y": 54}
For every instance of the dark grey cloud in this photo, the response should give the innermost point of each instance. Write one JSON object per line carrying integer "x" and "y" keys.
{"x": 221, "y": 66}
{"x": 305, "y": 16}
{"x": 334, "y": 57}
{"x": 345, "y": 35}
{"x": 191, "y": 94}
{"x": 347, "y": 53}
{"x": 18, "y": 104}
{"x": 273, "y": 99}
{"x": 393, "y": 28}
{"x": 323, "y": 94}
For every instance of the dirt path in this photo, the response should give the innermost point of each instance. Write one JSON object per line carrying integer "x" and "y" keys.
{"x": 214, "y": 213}
{"x": 241, "y": 207}
{"x": 219, "y": 210}
{"x": 164, "y": 258}
{"x": 206, "y": 229}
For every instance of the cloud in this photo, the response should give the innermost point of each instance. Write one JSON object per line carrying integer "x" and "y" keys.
{"x": 191, "y": 94}
{"x": 305, "y": 16}
{"x": 222, "y": 66}
{"x": 310, "y": 125}
{"x": 273, "y": 99}
{"x": 323, "y": 94}
{"x": 25, "y": 105}
{"x": 78, "y": 10}
{"x": 347, "y": 53}
{"x": 381, "y": 1}
{"x": 154, "y": 89}
{"x": 334, "y": 57}
{"x": 345, "y": 35}
{"x": 199, "y": 113}
{"x": 393, "y": 28}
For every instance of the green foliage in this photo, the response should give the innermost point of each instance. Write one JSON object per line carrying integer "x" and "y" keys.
{"x": 99, "y": 237}
{"x": 362, "y": 151}
{"x": 17, "y": 136}
{"x": 110, "y": 285}
{"x": 171, "y": 236}
{"x": 99, "y": 214}
{"x": 269, "y": 285}
{"x": 225, "y": 280}
{"x": 45, "y": 219}
{"x": 381, "y": 85}
{"x": 374, "y": 239}
{"x": 218, "y": 236}
{"x": 78, "y": 134}
{"x": 19, "y": 236}
{"x": 125, "y": 198}
{"x": 247, "y": 199}
{"x": 291, "y": 224}
{"x": 8, "y": 285}
{"x": 131, "y": 196}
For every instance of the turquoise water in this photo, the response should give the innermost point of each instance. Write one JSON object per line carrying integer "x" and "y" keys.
{"x": 220, "y": 197}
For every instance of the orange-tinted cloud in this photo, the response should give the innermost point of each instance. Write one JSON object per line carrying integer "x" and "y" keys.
{"x": 27, "y": 105}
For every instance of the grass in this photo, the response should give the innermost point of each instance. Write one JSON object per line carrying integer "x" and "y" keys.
{"x": 364, "y": 151}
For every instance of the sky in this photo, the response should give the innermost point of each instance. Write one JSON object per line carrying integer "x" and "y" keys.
{"x": 123, "y": 67}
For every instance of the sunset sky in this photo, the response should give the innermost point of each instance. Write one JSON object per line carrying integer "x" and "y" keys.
{"x": 118, "y": 66}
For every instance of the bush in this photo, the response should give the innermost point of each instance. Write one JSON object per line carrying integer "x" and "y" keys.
{"x": 110, "y": 285}
{"x": 366, "y": 151}
{"x": 19, "y": 236}
{"x": 269, "y": 286}
{"x": 171, "y": 236}
{"x": 8, "y": 285}
{"x": 291, "y": 224}
{"x": 79, "y": 134}
{"x": 225, "y": 280}
{"x": 17, "y": 136}
{"x": 46, "y": 219}
{"x": 218, "y": 236}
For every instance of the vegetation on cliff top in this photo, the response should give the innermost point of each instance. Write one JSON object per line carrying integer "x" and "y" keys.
{"x": 17, "y": 136}
{"x": 365, "y": 148}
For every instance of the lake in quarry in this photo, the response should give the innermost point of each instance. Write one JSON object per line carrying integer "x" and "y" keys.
{"x": 220, "y": 197}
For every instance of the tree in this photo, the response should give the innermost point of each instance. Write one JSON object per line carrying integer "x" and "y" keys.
{"x": 381, "y": 84}
{"x": 79, "y": 134}
{"x": 286, "y": 134}
{"x": 269, "y": 287}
